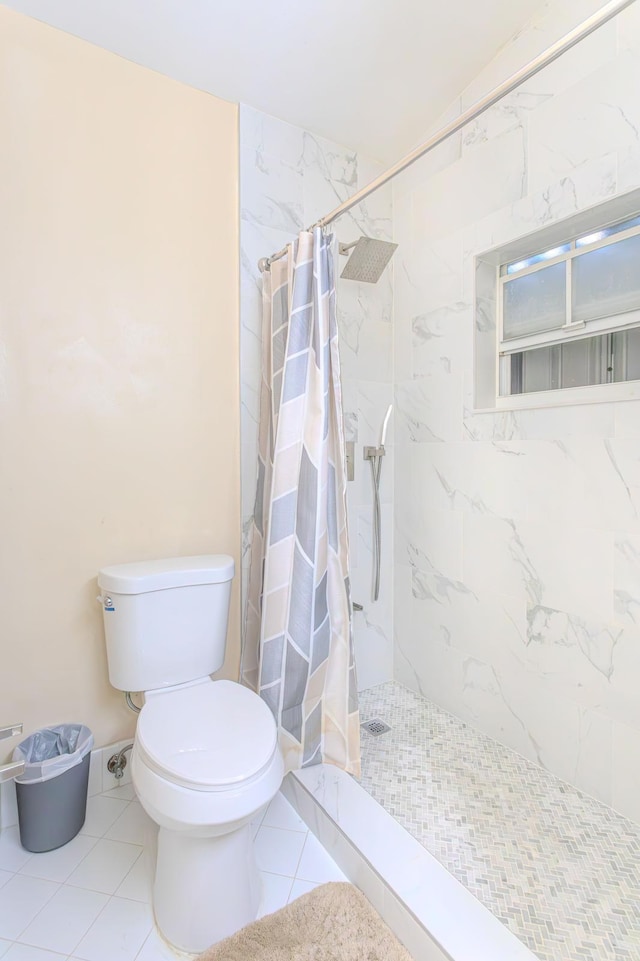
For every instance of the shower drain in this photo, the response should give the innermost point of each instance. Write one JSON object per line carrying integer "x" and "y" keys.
{"x": 375, "y": 727}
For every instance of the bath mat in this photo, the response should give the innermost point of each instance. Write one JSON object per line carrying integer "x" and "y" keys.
{"x": 334, "y": 922}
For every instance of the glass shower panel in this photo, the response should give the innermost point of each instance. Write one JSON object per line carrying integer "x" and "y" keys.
{"x": 606, "y": 281}
{"x": 535, "y": 302}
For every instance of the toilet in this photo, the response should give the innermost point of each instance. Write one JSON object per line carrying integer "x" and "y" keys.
{"x": 205, "y": 758}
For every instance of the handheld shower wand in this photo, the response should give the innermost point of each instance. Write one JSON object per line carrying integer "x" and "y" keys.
{"x": 374, "y": 455}
{"x": 385, "y": 424}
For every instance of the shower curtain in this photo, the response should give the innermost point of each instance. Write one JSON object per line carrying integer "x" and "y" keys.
{"x": 298, "y": 646}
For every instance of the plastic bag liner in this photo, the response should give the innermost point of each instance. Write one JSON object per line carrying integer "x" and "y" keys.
{"x": 52, "y": 751}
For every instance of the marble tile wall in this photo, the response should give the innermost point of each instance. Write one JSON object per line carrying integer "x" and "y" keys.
{"x": 288, "y": 179}
{"x": 517, "y": 534}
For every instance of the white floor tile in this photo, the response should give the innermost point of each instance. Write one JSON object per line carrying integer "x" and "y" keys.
{"x": 24, "y": 952}
{"x": 118, "y": 933}
{"x": 280, "y": 814}
{"x": 57, "y": 865}
{"x": 106, "y": 866}
{"x": 12, "y": 854}
{"x": 134, "y": 826}
{"x": 138, "y": 884}
{"x": 278, "y": 851}
{"x": 316, "y": 865}
{"x": 124, "y": 792}
{"x": 4, "y": 877}
{"x": 21, "y": 900}
{"x": 4, "y": 947}
{"x": 65, "y": 919}
{"x": 156, "y": 949}
{"x": 275, "y": 892}
{"x": 301, "y": 887}
{"x": 101, "y": 813}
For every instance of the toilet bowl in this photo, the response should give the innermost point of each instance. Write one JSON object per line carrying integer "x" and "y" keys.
{"x": 205, "y": 761}
{"x": 205, "y": 758}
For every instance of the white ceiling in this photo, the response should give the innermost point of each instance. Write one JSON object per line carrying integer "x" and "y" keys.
{"x": 371, "y": 74}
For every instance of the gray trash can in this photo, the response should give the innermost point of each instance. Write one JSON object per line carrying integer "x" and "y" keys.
{"x": 52, "y": 792}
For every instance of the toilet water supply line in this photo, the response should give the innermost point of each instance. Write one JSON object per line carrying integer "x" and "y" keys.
{"x": 118, "y": 762}
{"x": 374, "y": 455}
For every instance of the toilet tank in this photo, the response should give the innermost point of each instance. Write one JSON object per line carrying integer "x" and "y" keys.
{"x": 165, "y": 621}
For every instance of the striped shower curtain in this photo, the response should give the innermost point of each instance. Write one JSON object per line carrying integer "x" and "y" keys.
{"x": 298, "y": 646}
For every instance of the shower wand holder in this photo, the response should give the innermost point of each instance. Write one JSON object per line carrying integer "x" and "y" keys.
{"x": 370, "y": 453}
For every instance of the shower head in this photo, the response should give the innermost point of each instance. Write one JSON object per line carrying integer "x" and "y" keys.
{"x": 368, "y": 259}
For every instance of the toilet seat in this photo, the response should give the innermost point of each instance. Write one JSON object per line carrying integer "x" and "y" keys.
{"x": 208, "y": 736}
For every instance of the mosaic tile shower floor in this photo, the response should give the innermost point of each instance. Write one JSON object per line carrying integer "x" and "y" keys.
{"x": 561, "y": 870}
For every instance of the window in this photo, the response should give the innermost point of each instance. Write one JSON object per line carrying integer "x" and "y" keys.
{"x": 569, "y": 315}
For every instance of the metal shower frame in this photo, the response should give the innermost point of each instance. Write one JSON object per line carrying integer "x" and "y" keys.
{"x": 584, "y": 29}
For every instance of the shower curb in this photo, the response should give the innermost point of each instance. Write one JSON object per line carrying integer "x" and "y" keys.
{"x": 428, "y": 910}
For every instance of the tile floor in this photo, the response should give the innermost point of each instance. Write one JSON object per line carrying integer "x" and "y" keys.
{"x": 90, "y": 900}
{"x": 559, "y": 869}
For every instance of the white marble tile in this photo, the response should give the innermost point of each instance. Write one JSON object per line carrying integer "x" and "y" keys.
{"x": 442, "y": 340}
{"x": 428, "y": 540}
{"x": 262, "y": 133}
{"x": 626, "y": 771}
{"x": 373, "y": 644}
{"x": 429, "y": 274}
{"x": 491, "y": 177}
{"x": 429, "y": 409}
{"x": 567, "y": 569}
{"x": 473, "y": 478}
{"x": 627, "y": 419}
{"x": 594, "y": 117}
{"x": 271, "y": 193}
{"x": 564, "y": 73}
{"x": 626, "y": 578}
{"x": 592, "y": 182}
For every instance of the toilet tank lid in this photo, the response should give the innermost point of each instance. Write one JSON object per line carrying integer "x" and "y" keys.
{"x": 143, "y": 576}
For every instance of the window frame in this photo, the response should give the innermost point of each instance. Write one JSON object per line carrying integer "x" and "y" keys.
{"x": 570, "y": 330}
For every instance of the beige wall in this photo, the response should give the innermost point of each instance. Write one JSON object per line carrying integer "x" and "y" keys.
{"x": 119, "y": 410}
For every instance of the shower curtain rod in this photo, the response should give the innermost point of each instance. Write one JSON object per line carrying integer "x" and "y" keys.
{"x": 606, "y": 13}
